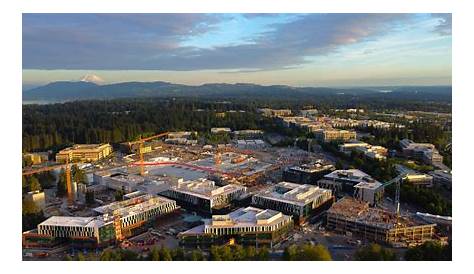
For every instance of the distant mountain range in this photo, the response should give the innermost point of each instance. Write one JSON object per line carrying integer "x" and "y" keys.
{"x": 84, "y": 90}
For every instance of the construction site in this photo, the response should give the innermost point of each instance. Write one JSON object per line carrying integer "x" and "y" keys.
{"x": 352, "y": 216}
{"x": 190, "y": 194}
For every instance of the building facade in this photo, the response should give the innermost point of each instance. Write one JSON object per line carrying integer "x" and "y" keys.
{"x": 245, "y": 226}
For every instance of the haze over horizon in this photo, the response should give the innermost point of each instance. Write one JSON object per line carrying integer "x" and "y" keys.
{"x": 289, "y": 49}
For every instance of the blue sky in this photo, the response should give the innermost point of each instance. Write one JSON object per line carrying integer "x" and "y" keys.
{"x": 292, "y": 49}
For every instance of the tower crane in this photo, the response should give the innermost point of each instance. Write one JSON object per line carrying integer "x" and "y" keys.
{"x": 397, "y": 180}
{"x": 141, "y": 148}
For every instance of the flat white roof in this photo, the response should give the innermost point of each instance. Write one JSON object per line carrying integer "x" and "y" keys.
{"x": 74, "y": 221}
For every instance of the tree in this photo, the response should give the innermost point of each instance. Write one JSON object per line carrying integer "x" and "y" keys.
{"x": 429, "y": 251}
{"x": 215, "y": 254}
{"x": 197, "y": 255}
{"x": 90, "y": 197}
{"x": 374, "y": 252}
{"x": 290, "y": 253}
{"x": 34, "y": 184}
{"x": 263, "y": 254}
{"x": 154, "y": 254}
{"x": 119, "y": 195}
{"x": 62, "y": 186}
{"x": 165, "y": 254}
{"x": 307, "y": 252}
{"x": 81, "y": 257}
{"x": 226, "y": 253}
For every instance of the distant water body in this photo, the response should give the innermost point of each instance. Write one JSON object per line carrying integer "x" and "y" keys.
{"x": 38, "y": 102}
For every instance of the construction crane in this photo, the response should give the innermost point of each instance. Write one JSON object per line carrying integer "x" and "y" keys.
{"x": 397, "y": 180}
{"x": 66, "y": 166}
{"x": 141, "y": 148}
{"x": 142, "y": 140}
{"x": 70, "y": 198}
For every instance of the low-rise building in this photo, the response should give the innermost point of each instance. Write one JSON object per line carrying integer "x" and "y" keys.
{"x": 245, "y": 226}
{"x": 248, "y": 133}
{"x": 419, "y": 179}
{"x": 220, "y": 130}
{"x": 37, "y": 197}
{"x": 182, "y": 134}
{"x": 250, "y": 144}
{"x": 355, "y": 217}
{"x": 307, "y": 173}
{"x": 115, "y": 221}
{"x": 37, "y": 158}
{"x": 370, "y": 192}
{"x": 329, "y": 135}
{"x": 424, "y": 152}
{"x": 203, "y": 195}
{"x": 300, "y": 201}
{"x": 442, "y": 177}
{"x": 84, "y": 153}
{"x": 344, "y": 180}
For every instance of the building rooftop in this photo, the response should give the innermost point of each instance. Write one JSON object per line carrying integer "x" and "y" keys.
{"x": 133, "y": 205}
{"x": 87, "y": 147}
{"x": 204, "y": 188}
{"x": 311, "y": 168}
{"x": 74, "y": 221}
{"x": 350, "y": 174}
{"x": 294, "y": 193}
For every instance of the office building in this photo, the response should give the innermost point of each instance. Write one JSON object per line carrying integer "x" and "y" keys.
{"x": 329, "y": 135}
{"x": 115, "y": 221}
{"x": 203, "y": 195}
{"x": 300, "y": 201}
{"x": 307, "y": 173}
{"x": 245, "y": 226}
{"x": 84, "y": 153}
{"x": 340, "y": 181}
{"x": 423, "y": 152}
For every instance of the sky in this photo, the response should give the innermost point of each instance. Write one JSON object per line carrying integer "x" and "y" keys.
{"x": 349, "y": 49}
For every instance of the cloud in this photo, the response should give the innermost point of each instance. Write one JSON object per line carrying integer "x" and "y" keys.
{"x": 154, "y": 41}
{"x": 445, "y": 23}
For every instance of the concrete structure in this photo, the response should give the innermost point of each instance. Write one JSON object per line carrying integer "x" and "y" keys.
{"x": 424, "y": 152}
{"x": 328, "y": 135}
{"x": 203, "y": 195}
{"x": 344, "y": 180}
{"x": 300, "y": 201}
{"x": 246, "y": 226}
{"x": 37, "y": 197}
{"x": 307, "y": 173}
{"x": 354, "y": 217}
{"x": 84, "y": 153}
